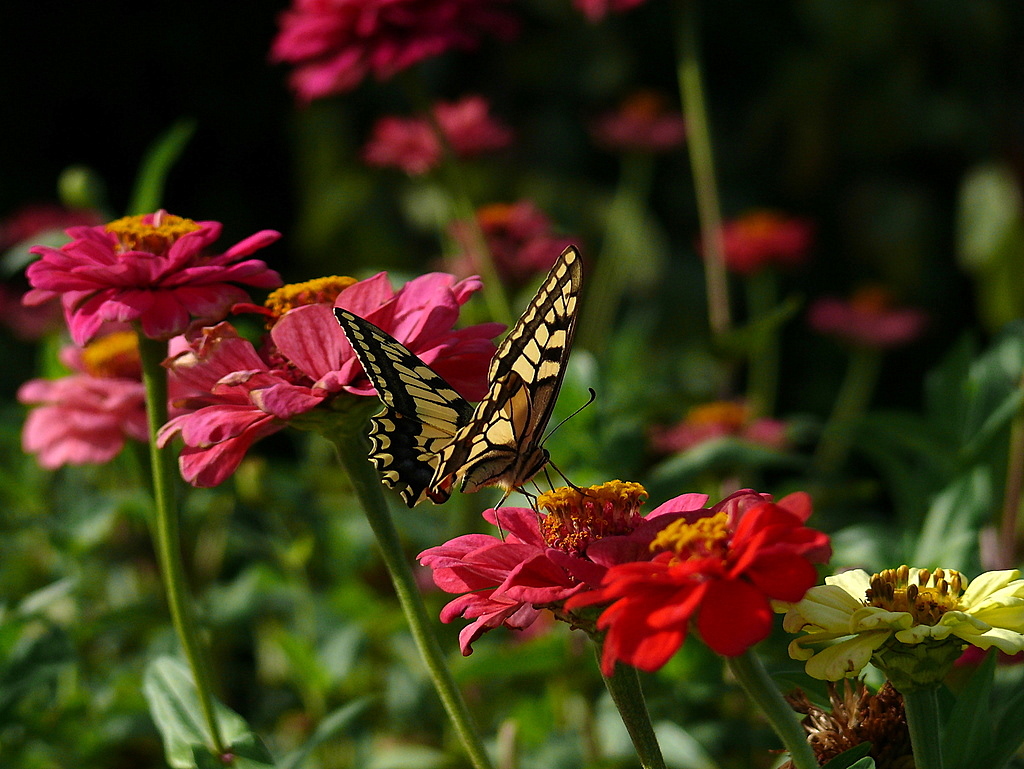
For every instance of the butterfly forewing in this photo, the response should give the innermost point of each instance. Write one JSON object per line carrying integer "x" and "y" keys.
{"x": 422, "y": 412}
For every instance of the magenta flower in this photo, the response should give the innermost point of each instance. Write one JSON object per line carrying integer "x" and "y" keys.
{"x": 644, "y": 122}
{"x": 541, "y": 562}
{"x": 867, "y": 319}
{"x": 764, "y": 238}
{"x": 595, "y": 10}
{"x": 152, "y": 270}
{"x": 412, "y": 145}
{"x": 335, "y": 44}
{"x": 86, "y": 418}
{"x": 239, "y": 394}
{"x": 520, "y": 239}
{"x": 718, "y": 420}
{"x": 40, "y": 218}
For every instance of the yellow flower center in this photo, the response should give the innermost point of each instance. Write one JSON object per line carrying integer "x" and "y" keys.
{"x": 316, "y": 291}
{"x": 759, "y": 224}
{"x": 114, "y": 356}
{"x": 494, "y": 215}
{"x": 645, "y": 105}
{"x": 154, "y": 237}
{"x": 925, "y": 598}
{"x": 872, "y": 300}
{"x": 704, "y": 537}
{"x": 728, "y": 413}
{"x": 577, "y": 517}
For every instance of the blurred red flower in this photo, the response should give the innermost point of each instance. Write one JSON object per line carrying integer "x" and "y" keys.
{"x": 643, "y": 122}
{"x": 519, "y": 237}
{"x": 868, "y": 319}
{"x": 719, "y": 568}
{"x": 239, "y": 394}
{"x": 335, "y": 44}
{"x": 716, "y": 420}
{"x": 151, "y": 269}
{"x": 763, "y": 238}
{"x": 412, "y": 145}
{"x": 595, "y": 10}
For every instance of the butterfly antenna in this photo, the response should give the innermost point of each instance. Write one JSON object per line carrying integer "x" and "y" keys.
{"x": 593, "y": 397}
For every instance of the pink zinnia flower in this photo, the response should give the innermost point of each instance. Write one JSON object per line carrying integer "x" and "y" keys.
{"x": 151, "y": 269}
{"x": 412, "y": 145}
{"x": 542, "y": 561}
{"x": 520, "y": 239}
{"x": 335, "y": 44}
{"x": 868, "y": 319}
{"x": 241, "y": 394}
{"x": 718, "y": 420}
{"x": 595, "y": 10}
{"x": 644, "y": 122}
{"x": 763, "y": 238}
{"x": 86, "y": 418}
{"x": 39, "y": 218}
{"x": 719, "y": 569}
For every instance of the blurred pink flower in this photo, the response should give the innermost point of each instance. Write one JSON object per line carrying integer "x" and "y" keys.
{"x": 152, "y": 269}
{"x": 643, "y": 122}
{"x": 868, "y": 319}
{"x": 543, "y": 560}
{"x": 716, "y": 420}
{"x": 240, "y": 394}
{"x": 335, "y": 44}
{"x": 411, "y": 144}
{"x": 86, "y": 418}
{"x": 595, "y": 10}
{"x": 37, "y": 218}
{"x": 764, "y": 238}
{"x": 519, "y": 237}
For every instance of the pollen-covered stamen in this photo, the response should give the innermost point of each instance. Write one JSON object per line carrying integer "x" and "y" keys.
{"x": 316, "y": 291}
{"x": 113, "y": 356}
{"x": 926, "y": 596}
{"x": 577, "y": 517}
{"x": 708, "y": 536}
{"x": 155, "y": 236}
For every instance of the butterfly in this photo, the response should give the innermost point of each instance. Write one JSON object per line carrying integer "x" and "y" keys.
{"x": 428, "y": 438}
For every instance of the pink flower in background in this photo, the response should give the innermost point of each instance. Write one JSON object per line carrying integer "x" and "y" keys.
{"x": 86, "y": 418}
{"x": 765, "y": 239}
{"x": 718, "y": 420}
{"x": 644, "y": 122}
{"x": 240, "y": 394}
{"x": 151, "y": 269}
{"x": 411, "y": 144}
{"x": 868, "y": 319}
{"x": 335, "y": 44}
{"x": 520, "y": 239}
{"x": 38, "y": 218}
{"x": 595, "y": 10}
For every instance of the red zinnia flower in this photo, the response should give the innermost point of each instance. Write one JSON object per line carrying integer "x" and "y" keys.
{"x": 520, "y": 239}
{"x": 86, "y": 418}
{"x": 412, "y": 145}
{"x": 334, "y": 44}
{"x": 643, "y": 122}
{"x": 868, "y": 319}
{"x": 765, "y": 239}
{"x": 718, "y": 420}
{"x": 150, "y": 269}
{"x": 241, "y": 395}
{"x": 720, "y": 569}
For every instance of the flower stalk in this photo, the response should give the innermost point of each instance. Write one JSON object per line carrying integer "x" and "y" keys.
{"x": 854, "y": 396}
{"x": 350, "y": 444}
{"x": 167, "y": 535}
{"x": 922, "y": 708}
{"x": 763, "y": 376}
{"x": 758, "y": 685}
{"x": 624, "y": 687}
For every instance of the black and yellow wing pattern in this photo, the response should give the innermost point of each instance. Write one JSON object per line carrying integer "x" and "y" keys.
{"x": 429, "y": 439}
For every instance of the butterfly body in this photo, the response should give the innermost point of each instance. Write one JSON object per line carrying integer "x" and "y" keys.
{"x": 429, "y": 440}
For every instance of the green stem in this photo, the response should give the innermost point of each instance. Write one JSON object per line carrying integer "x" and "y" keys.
{"x": 1007, "y": 544}
{"x": 758, "y": 685}
{"x": 763, "y": 376}
{"x": 168, "y": 546}
{"x": 691, "y": 90}
{"x": 851, "y": 402}
{"x": 624, "y": 686}
{"x": 611, "y": 272}
{"x": 922, "y": 708}
{"x": 352, "y": 450}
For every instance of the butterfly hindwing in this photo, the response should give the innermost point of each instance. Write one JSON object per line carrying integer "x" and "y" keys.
{"x": 422, "y": 411}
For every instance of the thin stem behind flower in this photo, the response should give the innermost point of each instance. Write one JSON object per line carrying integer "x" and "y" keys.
{"x": 168, "y": 545}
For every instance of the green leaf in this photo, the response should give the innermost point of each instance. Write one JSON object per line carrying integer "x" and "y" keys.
{"x": 326, "y": 730}
{"x": 174, "y": 705}
{"x": 854, "y": 758}
{"x": 967, "y": 731}
{"x": 1009, "y": 730}
{"x": 148, "y": 194}
{"x": 949, "y": 535}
